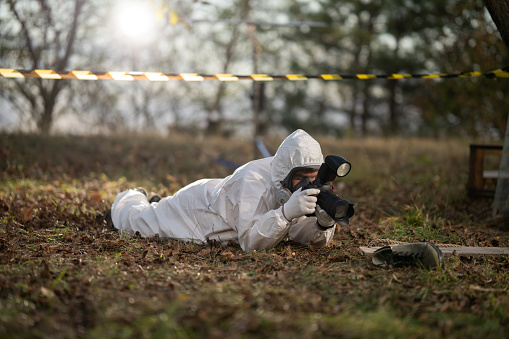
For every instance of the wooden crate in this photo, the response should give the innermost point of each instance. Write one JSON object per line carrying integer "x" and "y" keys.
{"x": 481, "y": 182}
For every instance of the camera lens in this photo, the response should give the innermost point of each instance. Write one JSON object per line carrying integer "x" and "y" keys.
{"x": 339, "y": 209}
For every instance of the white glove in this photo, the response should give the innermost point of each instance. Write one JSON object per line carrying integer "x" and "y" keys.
{"x": 324, "y": 220}
{"x": 300, "y": 203}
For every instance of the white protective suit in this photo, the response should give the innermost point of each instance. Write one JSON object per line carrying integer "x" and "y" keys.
{"x": 241, "y": 207}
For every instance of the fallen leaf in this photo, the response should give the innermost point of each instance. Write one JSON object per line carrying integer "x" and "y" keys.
{"x": 96, "y": 197}
{"x": 28, "y": 213}
{"x": 204, "y": 251}
{"x": 47, "y": 292}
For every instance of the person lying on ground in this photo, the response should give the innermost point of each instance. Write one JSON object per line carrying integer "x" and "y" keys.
{"x": 253, "y": 207}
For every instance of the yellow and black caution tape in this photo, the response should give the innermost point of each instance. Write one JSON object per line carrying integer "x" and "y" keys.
{"x": 158, "y": 76}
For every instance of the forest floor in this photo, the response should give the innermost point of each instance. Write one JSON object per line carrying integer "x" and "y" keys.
{"x": 65, "y": 274}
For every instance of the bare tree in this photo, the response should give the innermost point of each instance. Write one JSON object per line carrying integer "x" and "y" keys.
{"x": 46, "y": 36}
{"x": 214, "y": 109}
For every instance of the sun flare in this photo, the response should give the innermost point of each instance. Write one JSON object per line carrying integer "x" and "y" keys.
{"x": 135, "y": 20}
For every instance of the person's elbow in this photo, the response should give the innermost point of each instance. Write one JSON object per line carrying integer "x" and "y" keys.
{"x": 249, "y": 244}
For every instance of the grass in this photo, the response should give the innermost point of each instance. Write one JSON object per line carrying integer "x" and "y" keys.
{"x": 415, "y": 223}
{"x": 63, "y": 274}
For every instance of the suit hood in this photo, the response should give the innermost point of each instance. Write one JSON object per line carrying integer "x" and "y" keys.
{"x": 299, "y": 149}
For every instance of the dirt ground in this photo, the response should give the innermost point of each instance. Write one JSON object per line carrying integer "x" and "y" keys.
{"x": 65, "y": 273}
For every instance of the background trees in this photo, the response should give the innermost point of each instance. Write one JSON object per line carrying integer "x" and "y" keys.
{"x": 370, "y": 36}
{"x": 40, "y": 35}
{"x": 406, "y": 36}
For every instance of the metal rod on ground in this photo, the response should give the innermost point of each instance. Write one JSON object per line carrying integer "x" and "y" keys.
{"x": 261, "y": 147}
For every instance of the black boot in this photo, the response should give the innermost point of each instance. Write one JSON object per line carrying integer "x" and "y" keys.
{"x": 421, "y": 254}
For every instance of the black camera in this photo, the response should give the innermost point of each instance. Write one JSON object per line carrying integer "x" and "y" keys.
{"x": 340, "y": 210}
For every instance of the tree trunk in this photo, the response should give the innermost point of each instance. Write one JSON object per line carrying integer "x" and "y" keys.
{"x": 46, "y": 120}
{"x": 393, "y": 127}
{"x": 49, "y": 100}
{"x": 499, "y": 11}
{"x": 365, "y": 110}
{"x": 352, "y": 112}
{"x": 214, "y": 111}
